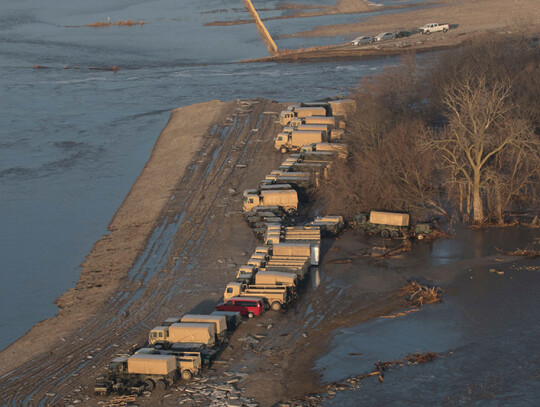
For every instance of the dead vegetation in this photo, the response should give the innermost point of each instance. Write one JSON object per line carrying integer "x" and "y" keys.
{"x": 458, "y": 137}
{"x": 529, "y": 253}
{"x": 418, "y": 295}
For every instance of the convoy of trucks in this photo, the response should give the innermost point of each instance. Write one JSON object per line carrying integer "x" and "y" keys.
{"x": 181, "y": 346}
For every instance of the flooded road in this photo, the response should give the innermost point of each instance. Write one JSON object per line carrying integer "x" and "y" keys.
{"x": 74, "y": 140}
{"x": 486, "y": 329}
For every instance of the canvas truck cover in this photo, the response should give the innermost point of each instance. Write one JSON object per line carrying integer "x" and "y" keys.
{"x": 330, "y": 120}
{"x": 313, "y": 127}
{"x": 275, "y": 277}
{"x": 192, "y": 332}
{"x": 310, "y": 111}
{"x": 219, "y": 321}
{"x": 292, "y": 249}
{"x": 287, "y": 198}
{"x": 303, "y": 137}
{"x": 151, "y": 364}
{"x": 342, "y": 107}
{"x": 389, "y": 218}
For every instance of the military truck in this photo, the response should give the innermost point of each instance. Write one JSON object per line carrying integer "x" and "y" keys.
{"x": 294, "y": 140}
{"x": 330, "y": 121}
{"x": 220, "y": 323}
{"x": 188, "y": 364}
{"x": 311, "y": 234}
{"x": 277, "y": 278}
{"x": 329, "y": 225}
{"x": 325, "y": 128}
{"x": 203, "y": 333}
{"x": 339, "y": 148}
{"x": 286, "y": 199}
{"x": 387, "y": 224}
{"x": 309, "y": 251}
{"x": 277, "y": 296}
{"x": 293, "y": 112}
{"x": 134, "y": 374}
{"x": 234, "y": 319}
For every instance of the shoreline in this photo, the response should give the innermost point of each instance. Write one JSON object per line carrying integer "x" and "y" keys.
{"x": 128, "y": 232}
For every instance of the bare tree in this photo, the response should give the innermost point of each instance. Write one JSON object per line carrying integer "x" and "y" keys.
{"x": 478, "y": 112}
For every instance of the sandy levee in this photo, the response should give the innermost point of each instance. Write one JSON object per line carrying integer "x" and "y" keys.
{"x": 107, "y": 265}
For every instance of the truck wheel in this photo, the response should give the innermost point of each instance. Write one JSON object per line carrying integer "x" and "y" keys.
{"x": 385, "y": 233}
{"x": 394, "y": 234}
{"x": 149, "y": 384}
{"x": 361, "y": 231}
{"x": 251, "y": 314}
{"x": 427, "y": 33}
{"x": 283, "y": 150}
{"x": 186, "y": 375}
{"x": 276, "y": 306}
{"x": 161, "y": 385}
{"x": 445, "y": 30}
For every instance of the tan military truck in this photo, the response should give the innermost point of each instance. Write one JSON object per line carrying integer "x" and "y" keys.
{"x": 311, "y": 234}
{"x": 325, "y": 128}
{"x": 342, "y": 107}
{"x": 328, "y": 120}
{"x": 294, "y": 140}
{"x": 219, "y": 322}
{"x": 277, "y": 278}
{"x": 188, "y": 365}
{"x": 277, "y": 296}
{"x": 203, "y": 333}
{"x": 285, "y": 199}
{"x": 137, "y": 373}
{"x": 339, "y": 148}
{"x": 297, "y": 250}
{"x": 293, "y": 112}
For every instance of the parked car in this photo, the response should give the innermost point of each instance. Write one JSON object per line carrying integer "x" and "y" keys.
{"x": 402, "y": 34}
{"x": 385, "y": 36}
{"x": 362, "y": 40}
{"x": 247, "y": 306}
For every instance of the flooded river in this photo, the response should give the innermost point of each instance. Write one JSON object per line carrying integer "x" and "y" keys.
{"x": 74, "y": 140}
{"x": 486, "y": 329}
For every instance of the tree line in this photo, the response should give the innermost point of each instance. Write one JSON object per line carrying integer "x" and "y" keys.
{"x": 461, "y": 135}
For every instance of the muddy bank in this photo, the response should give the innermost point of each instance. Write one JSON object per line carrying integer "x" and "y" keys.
{"x": 112, "y": 256}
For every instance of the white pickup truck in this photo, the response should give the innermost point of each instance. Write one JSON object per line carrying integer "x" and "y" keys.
{"x": 434, "y": 27}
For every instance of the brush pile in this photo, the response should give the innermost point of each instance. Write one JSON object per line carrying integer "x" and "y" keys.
{"x": 418, "y": 295}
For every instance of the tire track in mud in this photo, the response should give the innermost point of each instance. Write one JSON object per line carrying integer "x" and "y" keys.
{"x": 160, "y": 280}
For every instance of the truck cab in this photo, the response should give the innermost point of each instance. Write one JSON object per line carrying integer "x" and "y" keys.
{"x": 158, "y": 335}
{"x": 251, "y": 200}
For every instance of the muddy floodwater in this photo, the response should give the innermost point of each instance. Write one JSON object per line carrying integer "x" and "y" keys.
{"x": 74, "y": 140}
{"x": 486, "y": 331}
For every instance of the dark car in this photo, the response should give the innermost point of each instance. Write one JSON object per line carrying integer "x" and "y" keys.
{"x": 402, "y": 34}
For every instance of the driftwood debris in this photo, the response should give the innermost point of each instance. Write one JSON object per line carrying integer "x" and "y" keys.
{"x": 531, "y": 254}
{"x": 382, "y": 252}
{"x": 419, "y": 295}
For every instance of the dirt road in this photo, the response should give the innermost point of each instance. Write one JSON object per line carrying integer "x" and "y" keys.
{"x": 184, "y": 208}
{"x": 466, "y": 19}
